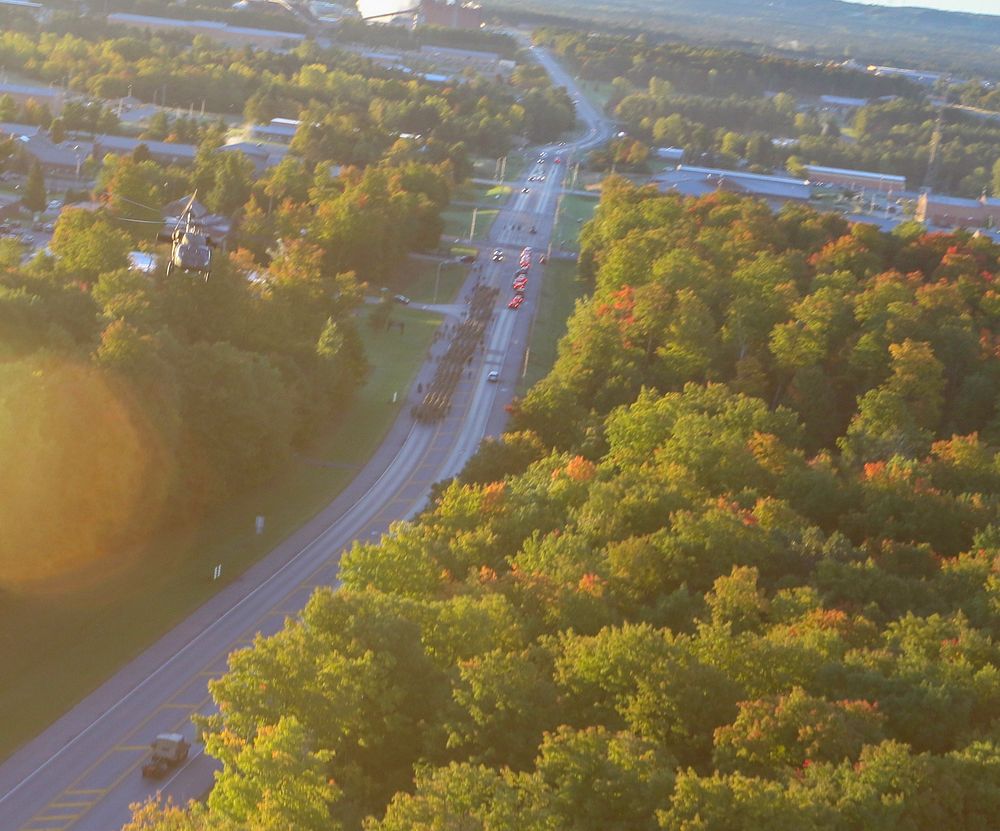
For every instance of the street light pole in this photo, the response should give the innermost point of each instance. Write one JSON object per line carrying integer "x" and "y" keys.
{"x": 437, "y": 279}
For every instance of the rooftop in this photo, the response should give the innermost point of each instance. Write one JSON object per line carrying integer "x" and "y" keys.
{"x": 284, "y": 130}
{"x": 958, "y": 201}
{"x": 447, "y": 51}
{"x": 739, "y": 174}
{"x": 697, "y": 181}
{"x": 857, "y": 174}
{"x": 28, "y": 89}
{"x": 156, "y": 148}
{"x": 214, "y": 25}
{"x": 11, "y": 128}
{"x": 841, "y": 101}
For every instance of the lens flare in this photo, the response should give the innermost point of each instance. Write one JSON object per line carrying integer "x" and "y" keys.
{"x": 82, "y": 475}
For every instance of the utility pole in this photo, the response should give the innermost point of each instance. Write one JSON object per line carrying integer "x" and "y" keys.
{"x": 555, "y": 221}
{"x": 472, "y": 229}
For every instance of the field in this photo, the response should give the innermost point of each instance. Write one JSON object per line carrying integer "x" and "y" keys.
{"x": 68, "y": 645}
{"x": 485, "y": 195}
{"x": 486, "y": 168}
{"x": 574, "y": 212}
{"x": 458, "y": 222}
{"x": 418, "y": 276}
{"x": 560, "y": 291}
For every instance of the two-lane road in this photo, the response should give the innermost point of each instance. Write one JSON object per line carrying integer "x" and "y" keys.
{"x": 82, "y": 773}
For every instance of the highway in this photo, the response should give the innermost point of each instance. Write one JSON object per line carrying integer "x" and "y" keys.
{"x": 82, "y": 773}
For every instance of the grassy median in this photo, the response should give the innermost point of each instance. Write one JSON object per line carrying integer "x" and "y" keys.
{"x": 574, "y": 212}
{"x": 560, "y": 291}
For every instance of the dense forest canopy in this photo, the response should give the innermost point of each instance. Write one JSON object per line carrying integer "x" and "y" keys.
{"x": 735, "y": 566}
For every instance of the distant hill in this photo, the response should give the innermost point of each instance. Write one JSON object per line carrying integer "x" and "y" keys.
{"x": 966, "y": 44}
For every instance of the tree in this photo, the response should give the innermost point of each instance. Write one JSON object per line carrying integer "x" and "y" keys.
{"x": 507, "y": 701}
{"x": 772, "y": 736}
{"x": 35, "y": 198}
{"x": 57, "y": 131}
{"x": 231, "y": 184}
{"x": 277, "y": 780}
{"x": 597, "y": 780}
{"x": 87, "y": 246}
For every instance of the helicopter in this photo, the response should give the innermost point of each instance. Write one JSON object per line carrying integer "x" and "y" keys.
{"x": 191, "y": 248}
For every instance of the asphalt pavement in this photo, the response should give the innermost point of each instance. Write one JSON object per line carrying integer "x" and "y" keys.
{"x": 82, "y": 773}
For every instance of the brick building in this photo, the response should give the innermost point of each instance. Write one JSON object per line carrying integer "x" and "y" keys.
{"x": 955, "y": 212}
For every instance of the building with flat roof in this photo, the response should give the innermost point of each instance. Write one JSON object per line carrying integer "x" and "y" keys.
{"x": 52, "y": 97}
{"x": 841, "y": 105}
{"x": 955, "y": 212}
{"x": 453, "y": 15}
{"x": 62, "y": 161}
{"x": 221, "y": 32}
{"x": 263, "y": 156}
{"x": 447, "y": 13}
{"x": 670, "y": 154}
{"x": 164, "y": 152}
{"x": 698, "y": 181}
{"x": 14, "y": 130}
{"x": 923, "y": 77}
{"x": 27, "y": 5}
{"x": 456, "y": 60}
{"x": 277, "y": 129}
{"x": 855, "y": 179}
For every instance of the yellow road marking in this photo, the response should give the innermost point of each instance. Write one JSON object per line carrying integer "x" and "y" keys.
{"x": 51, "y": 817}
{"x": 62, "y": 826}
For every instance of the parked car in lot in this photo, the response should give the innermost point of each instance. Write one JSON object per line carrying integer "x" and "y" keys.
{"x": 402, "y": 298}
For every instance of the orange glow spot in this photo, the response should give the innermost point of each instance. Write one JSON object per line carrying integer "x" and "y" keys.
{"x": 82, "y": 475}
